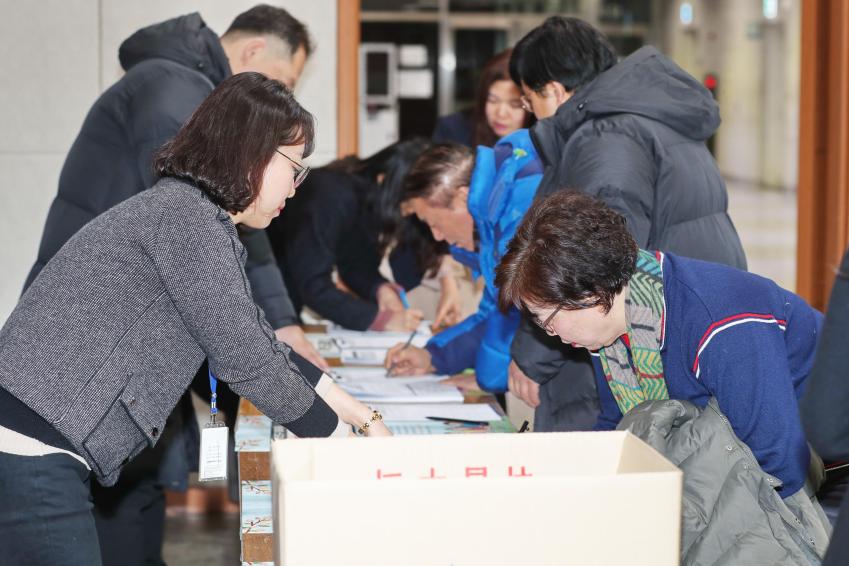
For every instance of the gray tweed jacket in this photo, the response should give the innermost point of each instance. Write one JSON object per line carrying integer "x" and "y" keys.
{"x": 111, "y": 333}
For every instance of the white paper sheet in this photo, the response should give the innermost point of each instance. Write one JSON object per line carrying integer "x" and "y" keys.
{"x": 383, "y": 340}
{"x": 363, "y": 356}
{"x": 360, "y": 374}
{"x": 336, "y": 330}
{"x": 403, "y": 390}
{"x": 325, "y": 344}
{"x": 469, "y": 411}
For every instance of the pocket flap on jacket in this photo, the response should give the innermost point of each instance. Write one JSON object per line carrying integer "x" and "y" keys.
{"x": 115, "y": 440}
{"x": 145, "y": 410}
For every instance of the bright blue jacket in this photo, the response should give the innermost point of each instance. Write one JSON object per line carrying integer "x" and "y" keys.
{"x": 503, "y": 185}
{"x": 743, "y": 339}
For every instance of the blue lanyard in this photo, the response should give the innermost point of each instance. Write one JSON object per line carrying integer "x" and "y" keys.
{"x": 213, "y": 386}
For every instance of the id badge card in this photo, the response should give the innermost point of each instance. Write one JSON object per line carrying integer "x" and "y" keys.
{"x": 213, "y": 441}
{"x": 213, "y": 452}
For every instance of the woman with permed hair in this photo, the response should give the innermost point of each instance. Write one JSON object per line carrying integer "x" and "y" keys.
{"x": 111, "y": 332}
{"x": 733, "y": 349}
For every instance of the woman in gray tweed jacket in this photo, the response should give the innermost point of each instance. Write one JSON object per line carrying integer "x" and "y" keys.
{"x": 109, "y": 336}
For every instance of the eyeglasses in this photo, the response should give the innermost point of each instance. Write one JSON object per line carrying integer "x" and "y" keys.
{"x": 301, "y": 171}
{"x": 546, "y": 325}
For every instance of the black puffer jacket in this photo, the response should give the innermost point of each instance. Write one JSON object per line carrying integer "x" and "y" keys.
{"x": 633, "y": 137}
{"x": 170, "y": 67}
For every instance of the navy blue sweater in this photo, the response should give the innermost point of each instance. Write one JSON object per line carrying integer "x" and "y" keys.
{"x": 743, "y": 339}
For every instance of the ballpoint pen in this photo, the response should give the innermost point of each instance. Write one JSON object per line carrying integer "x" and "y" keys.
{"x": 403, "y": 295}
{"x": 460, "y": 421}
{"x": 406, "y": 345}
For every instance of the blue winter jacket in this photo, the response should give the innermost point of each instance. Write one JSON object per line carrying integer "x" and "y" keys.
{"x": 503, "y": 185}
{"x": 747, "y": 342}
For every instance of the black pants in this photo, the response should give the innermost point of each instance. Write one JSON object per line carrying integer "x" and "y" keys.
{"x": 130, "y": 516}
{"x": 45, "y": 512}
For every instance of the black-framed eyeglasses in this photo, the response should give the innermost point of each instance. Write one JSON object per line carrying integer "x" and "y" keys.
{"x": 301, "y": 171}
{"x": 545, "y": 325}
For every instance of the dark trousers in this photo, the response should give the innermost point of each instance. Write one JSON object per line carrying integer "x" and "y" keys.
{"x": 45, "y": 512}
{"x": 130, "y": 516}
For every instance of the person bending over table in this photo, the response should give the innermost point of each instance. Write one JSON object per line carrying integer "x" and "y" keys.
{"x": 346, "y": 218}
{"x": 475, "y": 204}
{"x": 112, "y": 331}
{"x": 661, "y": 326}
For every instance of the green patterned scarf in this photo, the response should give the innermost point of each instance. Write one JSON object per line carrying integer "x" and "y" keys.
{"x": 644, "y": 311}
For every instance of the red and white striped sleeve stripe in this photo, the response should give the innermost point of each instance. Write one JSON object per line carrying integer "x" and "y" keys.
{"x": 729, "y": 322}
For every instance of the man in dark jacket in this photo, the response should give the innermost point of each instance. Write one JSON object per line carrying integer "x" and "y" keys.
{"x": 170, "y": 69}
{"x": 633, "y": 135}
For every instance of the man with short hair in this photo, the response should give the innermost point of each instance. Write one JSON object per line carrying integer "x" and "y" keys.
{"x": 631, "y": 133}
{"x": 170, "y": 67}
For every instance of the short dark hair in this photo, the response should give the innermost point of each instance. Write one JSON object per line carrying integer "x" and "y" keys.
{"x": 263, "y": 19}
{"x": 438, "y": 173}
{"x": 496, "y": 69}
{"x": 570, "y": 251}
{"x": 227, "y": 143}
{"x": 565, "y": 50}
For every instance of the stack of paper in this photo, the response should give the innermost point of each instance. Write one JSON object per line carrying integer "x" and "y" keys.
{"x": 325, "y": 344}
{"x": 370, "y": 348}
{"x": 363, "y": 356}
{"x": 360, "y": 374}
{"x": 403, "y": 390}
{"x": 422, "y": 332}
{"x": 410, "y": 405}
{"x": 383, "y": 340}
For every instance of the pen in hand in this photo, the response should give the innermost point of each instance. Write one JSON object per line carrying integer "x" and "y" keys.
{"x": 403, "y": 296}
{"x": 406, "y": 345}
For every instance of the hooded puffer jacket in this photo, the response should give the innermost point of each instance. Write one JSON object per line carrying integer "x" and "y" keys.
{"x": 171, "y": 67}
{"x": 635, "y": 138}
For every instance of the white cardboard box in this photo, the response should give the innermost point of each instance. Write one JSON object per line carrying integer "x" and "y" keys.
{"x": 579, "y": 499}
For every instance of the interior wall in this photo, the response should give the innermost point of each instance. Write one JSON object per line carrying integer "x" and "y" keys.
{"x": 757, "y": 63}
{"x": 59, "y": 55}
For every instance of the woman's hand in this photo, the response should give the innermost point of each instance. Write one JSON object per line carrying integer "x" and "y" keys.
{"x": 388, "y": 298}
{"x": 353, "y": 412}
{"x": 377, "y": 428}
{"x": 449, "y": 309}
{"x": 408, "y": 360}
{"x": 405, "y": 320}
{"x": 402, "y": 319}
{"x": 295, "y": 337}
